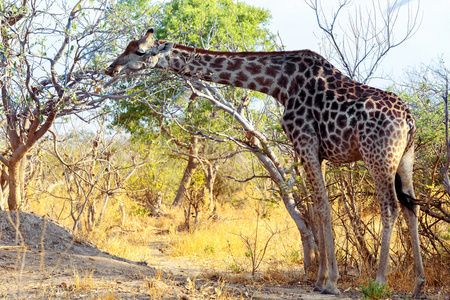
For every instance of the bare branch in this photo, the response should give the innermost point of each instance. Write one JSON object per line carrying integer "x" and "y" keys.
{"x": 247, "y": 179}
{"x": 362, "y": 42}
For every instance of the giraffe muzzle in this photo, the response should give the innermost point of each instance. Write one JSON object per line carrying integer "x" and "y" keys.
{"x": 112, "y": 71}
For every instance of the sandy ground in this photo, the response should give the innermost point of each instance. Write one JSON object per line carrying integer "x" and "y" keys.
{"x": 34, "y": 265}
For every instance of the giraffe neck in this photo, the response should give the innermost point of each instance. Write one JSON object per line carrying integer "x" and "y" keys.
{"x": 272, "y": 73}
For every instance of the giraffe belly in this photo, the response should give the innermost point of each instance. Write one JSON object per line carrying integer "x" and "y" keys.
{"x": 340, "y": 150}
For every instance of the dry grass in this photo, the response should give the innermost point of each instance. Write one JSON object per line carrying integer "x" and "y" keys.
{"x": 219, "y": 247}
{"x": 83, "y": 281}
{"x": 222, "y": 243}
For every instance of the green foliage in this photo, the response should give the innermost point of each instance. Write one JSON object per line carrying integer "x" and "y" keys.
{"x": 293, "y": 256}
{"x": 136, "y": 118}
{"x": 249, "y": 253}
{"x": 236, "y": 268}
{"x": 198, "y": 180}
{"x": 212, "y": 24}
{"x": 160, "y": 174}
{"x": 375, "y": 291}
{"x": 216, "y": 24}
{"x": 429, "y": 116}
{"x": 209, "y": 249}
{"x": 447, "y": 235}
{"x": 139, "y": 211}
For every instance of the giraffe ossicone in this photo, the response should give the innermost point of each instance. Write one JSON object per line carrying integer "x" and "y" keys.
{"x": 327, "y": 116}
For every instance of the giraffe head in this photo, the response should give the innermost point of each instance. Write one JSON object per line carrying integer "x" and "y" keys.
{"x": 139, "y": 54}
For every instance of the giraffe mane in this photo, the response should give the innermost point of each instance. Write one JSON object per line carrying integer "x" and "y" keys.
{"x": 246, "y": 53}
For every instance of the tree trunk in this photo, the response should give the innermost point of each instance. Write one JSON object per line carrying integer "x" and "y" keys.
{"x": 188, "y": 172}
{"x": 2, "y": 203}
{"x": 108, "y": 187}
{"x": 2, "y": 198}
{"x": 22, "y": 176}
{"x": 17, "y": 162}
{"x": 187, "y": 216}
{"x": 105, "y": 203}
{"x": 210, "y": 180}
{"x": 15, "y": 185}
{"x": 4, "y": 187}
{"x": 310, "y": 249}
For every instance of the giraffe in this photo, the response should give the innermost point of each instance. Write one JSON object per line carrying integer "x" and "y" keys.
{"x": 327, "y": 117}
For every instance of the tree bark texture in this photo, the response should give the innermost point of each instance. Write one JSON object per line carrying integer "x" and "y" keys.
{"x": 14, "y": 186}
{"x": 188, "y": 172}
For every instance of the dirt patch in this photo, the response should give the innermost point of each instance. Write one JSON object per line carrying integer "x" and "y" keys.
{"x": 40, "y": 234}
{"x": 43, "y": 260}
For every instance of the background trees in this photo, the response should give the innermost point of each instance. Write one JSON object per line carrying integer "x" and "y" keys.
{"x": 426, "y": 90}
{"x": 51, "y": 64}
{"x": 214, "y": 25}
{"x": 183, "y": 137}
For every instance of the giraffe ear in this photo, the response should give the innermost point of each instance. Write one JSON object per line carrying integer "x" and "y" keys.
{"x": 165, "y": 47}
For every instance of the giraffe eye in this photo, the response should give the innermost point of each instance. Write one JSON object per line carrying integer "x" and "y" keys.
{"x": 140, "y": 52}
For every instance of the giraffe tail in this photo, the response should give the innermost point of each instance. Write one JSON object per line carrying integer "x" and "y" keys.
{"x": 404, "y": 199}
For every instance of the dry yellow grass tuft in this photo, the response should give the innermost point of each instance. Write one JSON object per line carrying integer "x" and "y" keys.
{"x": 83, "y": 281}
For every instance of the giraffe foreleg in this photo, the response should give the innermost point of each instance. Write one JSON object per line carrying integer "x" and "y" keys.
{"x": 327, "y": 260}
{"x": 322, "y": 275}
{"x": 333, "y": 272}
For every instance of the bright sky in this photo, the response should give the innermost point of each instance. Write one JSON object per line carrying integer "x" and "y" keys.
{"x": 296, "y": 23}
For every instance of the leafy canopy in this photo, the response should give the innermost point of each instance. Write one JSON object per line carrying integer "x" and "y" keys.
{"x": 216, "y": 24}
{"x": 211, "y": 24}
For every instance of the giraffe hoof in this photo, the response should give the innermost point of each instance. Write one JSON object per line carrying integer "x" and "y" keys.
{"x": 330, "y": 292}
{"x": 317, "y": 289}
{"x": 418, "y": 295}
{"x": 418, "y": 288}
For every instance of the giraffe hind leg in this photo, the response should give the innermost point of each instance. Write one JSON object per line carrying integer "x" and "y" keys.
{"x": 389, "y": 212}
{"x": 383, "y": 175}
{"x": 410, "y": 212}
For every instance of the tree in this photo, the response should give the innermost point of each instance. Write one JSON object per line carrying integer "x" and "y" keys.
{"x": 427, "y": 91}
{"x": 359, "y": 41}
{"x": 49, "y": 71}
{"x": 98, "y": 166}
{"x": 213, "y": 24}
{"x": 216, "y": 24}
